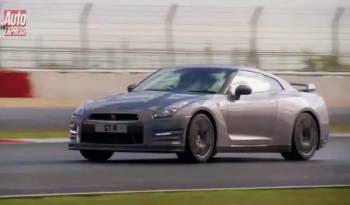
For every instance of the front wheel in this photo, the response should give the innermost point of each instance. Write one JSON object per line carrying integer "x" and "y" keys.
{"x": 96, "y": 155}
{"x": 304, "y": 139}
{"x": 200, "y": 140}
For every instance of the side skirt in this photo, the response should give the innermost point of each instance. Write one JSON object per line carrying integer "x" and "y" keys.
{"x": 253, "y": 148}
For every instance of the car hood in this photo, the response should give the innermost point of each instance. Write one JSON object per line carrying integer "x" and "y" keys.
{"x": 141, "y": 100}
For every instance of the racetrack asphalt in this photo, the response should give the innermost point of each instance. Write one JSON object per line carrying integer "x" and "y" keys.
{"x": 51, "y": 168}
{"x": 35, "y": 119}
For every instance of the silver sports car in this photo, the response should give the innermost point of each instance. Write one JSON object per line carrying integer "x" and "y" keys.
{"x": 197, "y": 112}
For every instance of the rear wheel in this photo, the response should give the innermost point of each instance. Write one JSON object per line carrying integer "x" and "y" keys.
{"x": 305, "y": 138}
{"x": 96, "y": 155}
{"x": 200, "y": 140}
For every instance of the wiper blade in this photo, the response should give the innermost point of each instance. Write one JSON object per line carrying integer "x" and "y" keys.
{"x": 202, "y": 91}
{"x": 155, "y": 90}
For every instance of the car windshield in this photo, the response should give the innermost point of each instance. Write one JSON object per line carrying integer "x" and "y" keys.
{"x": 206, "y": 80}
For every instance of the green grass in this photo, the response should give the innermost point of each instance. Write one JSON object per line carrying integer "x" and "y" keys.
{"x": 33, "y": 134}
{"x": 340, "y": 129}
{"x": 333, "y": 196}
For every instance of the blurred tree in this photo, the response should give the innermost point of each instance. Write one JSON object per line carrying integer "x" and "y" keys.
{"x": 325, "y": 63}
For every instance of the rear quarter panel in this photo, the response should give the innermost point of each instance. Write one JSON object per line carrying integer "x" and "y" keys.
{"x": 290, "y": 105}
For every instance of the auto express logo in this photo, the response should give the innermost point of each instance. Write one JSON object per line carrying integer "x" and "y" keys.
{"x": 15, "y": 22}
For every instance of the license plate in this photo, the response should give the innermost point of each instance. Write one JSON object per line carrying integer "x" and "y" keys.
{"x": 111, "y": 128}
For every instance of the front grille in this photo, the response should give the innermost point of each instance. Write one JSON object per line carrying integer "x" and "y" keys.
{"x": 133, "y": 136}
{"x": 113, "y": 117}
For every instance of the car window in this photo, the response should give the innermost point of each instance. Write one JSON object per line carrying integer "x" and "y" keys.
{"x": 258, "y": 82}
{"x": 207, "y": 80}
{"x": 168, "y": 81}
{"x": 274, "y": 84}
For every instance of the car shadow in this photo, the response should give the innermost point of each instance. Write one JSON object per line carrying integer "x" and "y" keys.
{"x": 158, "y": 161}
{"x": 216, "y": 160}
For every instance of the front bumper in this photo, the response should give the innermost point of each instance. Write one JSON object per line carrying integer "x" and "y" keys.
{"x": 158, "y": 135}
{"x": 324, "y": 135}
{"x": 127, "y": 148}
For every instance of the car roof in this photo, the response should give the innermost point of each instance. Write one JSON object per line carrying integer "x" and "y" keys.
{"x": 283, "y": 82}
{"x": 235, "y": 68}
{"x": 220, "y": 67}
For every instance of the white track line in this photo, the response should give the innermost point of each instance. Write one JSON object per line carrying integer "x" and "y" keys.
{"x": 172, "y": 190}
{"x": 339, "y": 135}
{"x": 47, "y": 140}
{"x": 61, "y": 140}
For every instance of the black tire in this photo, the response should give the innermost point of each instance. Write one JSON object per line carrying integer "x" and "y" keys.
{"x": 200, "y": 140}
{"x": 96, "y": 155}
{"x": 305, "y": 138}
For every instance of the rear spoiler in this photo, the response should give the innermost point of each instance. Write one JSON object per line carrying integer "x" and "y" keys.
{"x": 309, "y": 87}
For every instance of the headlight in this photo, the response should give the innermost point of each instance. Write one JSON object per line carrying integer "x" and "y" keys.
{"x": 81, "y": 109}
{"x": 169, "y": 111}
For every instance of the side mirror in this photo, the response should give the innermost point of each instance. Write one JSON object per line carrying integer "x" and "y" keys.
{"x": 131, "y": 87}
{"x": 310, "y": 87}
{"x": 240, "y": 90}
